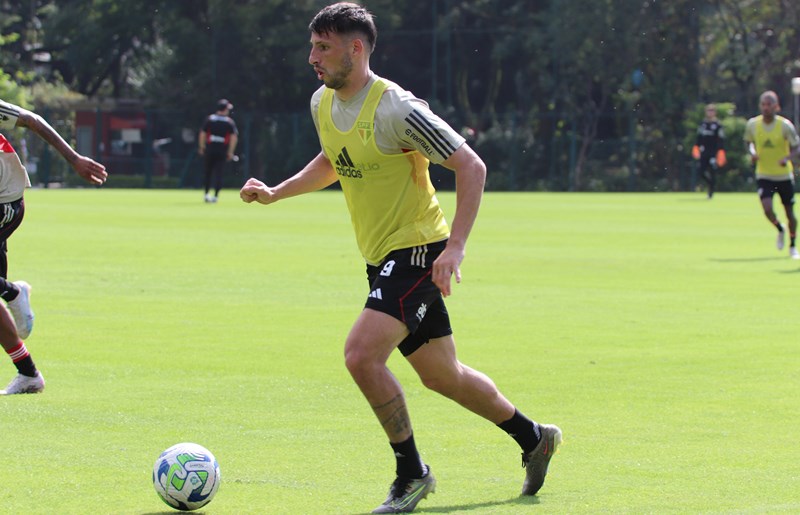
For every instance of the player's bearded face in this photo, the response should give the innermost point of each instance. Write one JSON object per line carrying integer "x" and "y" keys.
{"x": 331, "y": 59}
{"x": 338, "y": 78}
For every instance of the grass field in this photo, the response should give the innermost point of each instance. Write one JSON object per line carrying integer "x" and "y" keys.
{"x": 658, "y": 330}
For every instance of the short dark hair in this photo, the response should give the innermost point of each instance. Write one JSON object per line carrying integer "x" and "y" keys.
{"x": 223, "y": 104}
{"x": 345, "y": 18}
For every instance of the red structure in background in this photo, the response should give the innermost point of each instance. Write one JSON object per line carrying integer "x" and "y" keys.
{"x": 118, "y": 138}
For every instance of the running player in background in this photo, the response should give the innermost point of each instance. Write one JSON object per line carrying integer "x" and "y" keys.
{"x": 772, "y": 142}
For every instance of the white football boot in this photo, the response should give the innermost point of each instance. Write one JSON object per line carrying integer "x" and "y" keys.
{"x": 24, "y": 384}
{"x": 20, "y": 309}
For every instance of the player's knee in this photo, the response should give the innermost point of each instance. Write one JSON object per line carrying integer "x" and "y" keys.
{"x": 359, "y": 361}
{"x": 446, "y": 382}
{"x": 353, "y": 360}
{"x": 440, "y": 385}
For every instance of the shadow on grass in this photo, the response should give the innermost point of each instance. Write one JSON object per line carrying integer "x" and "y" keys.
{"x": 704, "y": 198}
{"x": 173, "y": 512}
{"x": 756, "y": 260}
{"x": 747, "y": 260}
{"x": 521, "y": 500}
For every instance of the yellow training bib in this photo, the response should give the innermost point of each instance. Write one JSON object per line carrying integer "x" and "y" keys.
{"x": 391, "y": 199}
{"x": 771, "y": 147}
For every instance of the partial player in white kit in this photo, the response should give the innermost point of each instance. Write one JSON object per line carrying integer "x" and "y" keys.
{"x": 16, "y": 323}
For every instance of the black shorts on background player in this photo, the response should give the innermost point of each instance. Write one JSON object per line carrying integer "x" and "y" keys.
{"x": 214, "y": 167}
{"x": 785, "y": 190}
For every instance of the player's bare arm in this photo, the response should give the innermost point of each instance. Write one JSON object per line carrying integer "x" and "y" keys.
{"x": 470, "y": 178}
{"x": 751, "y": 149}
{"x": 793, "y": 153}
{"x": 316, "y": 175}
{"x": 201, "y": 142}
{"x": 232, "y": 147}
{"x": 87, "y": 168}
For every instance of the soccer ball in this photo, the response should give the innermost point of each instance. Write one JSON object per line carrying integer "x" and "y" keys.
{"x": 186, "y": 476}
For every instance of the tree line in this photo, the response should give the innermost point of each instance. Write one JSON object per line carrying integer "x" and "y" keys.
{"x": 554, "y": 94}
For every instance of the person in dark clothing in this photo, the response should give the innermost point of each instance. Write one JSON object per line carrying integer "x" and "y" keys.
{"x": 216, "y": 143}
{"x": 709, "y": 148}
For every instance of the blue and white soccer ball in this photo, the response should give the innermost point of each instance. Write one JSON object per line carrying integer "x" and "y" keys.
{"x": 186, "y": 476}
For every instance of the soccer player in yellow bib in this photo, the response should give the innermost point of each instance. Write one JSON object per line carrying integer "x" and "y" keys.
{"x": 377, "y": 141}
{"x": 772, "y": 143}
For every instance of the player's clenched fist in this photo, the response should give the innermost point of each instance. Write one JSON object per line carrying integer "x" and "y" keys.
{"x": 256, "y": 191}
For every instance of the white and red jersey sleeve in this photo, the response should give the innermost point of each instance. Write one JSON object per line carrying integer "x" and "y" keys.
{"x": 8, "y": 115}
{"x": 13, "y": 175}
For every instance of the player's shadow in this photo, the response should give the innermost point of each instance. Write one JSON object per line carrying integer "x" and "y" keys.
{"x": 521, "y": 500}
{"x": 748, "y": 260}
{"x": 756, "y": 260}
{"x": 462, "y": 508}
{"x": 173, "y": 512}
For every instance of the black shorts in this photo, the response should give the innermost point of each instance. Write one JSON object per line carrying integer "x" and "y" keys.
{"x": 11, "y": 215}
{"x": 401, "y": 286}
{"x": 767, "y": 188}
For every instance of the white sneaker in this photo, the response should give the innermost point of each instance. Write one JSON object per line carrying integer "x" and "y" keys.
{"x": 20, "y": 309}
{"x": 213, "y": 200}
{"x": 24, "y": 384}
{"x": 207, "y": 198}
{"x": 780, "y": 241}
{"x": 793, "y": 253}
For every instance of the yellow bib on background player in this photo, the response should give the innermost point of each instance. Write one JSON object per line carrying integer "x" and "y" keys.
{"x": 391, "y": 199}
{"x": 771, "y": 147}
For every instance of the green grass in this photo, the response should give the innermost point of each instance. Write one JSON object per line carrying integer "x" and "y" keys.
{"x": 658, "y": 330}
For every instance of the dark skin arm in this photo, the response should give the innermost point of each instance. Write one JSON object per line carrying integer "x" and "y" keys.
{"x": 87, "y": 168}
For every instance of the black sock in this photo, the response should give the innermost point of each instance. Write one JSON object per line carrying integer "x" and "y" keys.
{"x": 26, "y": 366}
{"x": 8, "y": 290}
{"x": 792, "y": 239}
{"x": 409, "y": 464}
{"x": 779, "y": 226}
{"x": 525, "y": 431}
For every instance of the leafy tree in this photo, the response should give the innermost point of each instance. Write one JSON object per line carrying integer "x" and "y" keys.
{"x": 748, "y": 47}
{"x": 96, "y": 43}
{"x": 10, "y": 90}
{"x": 557, "y": 94}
